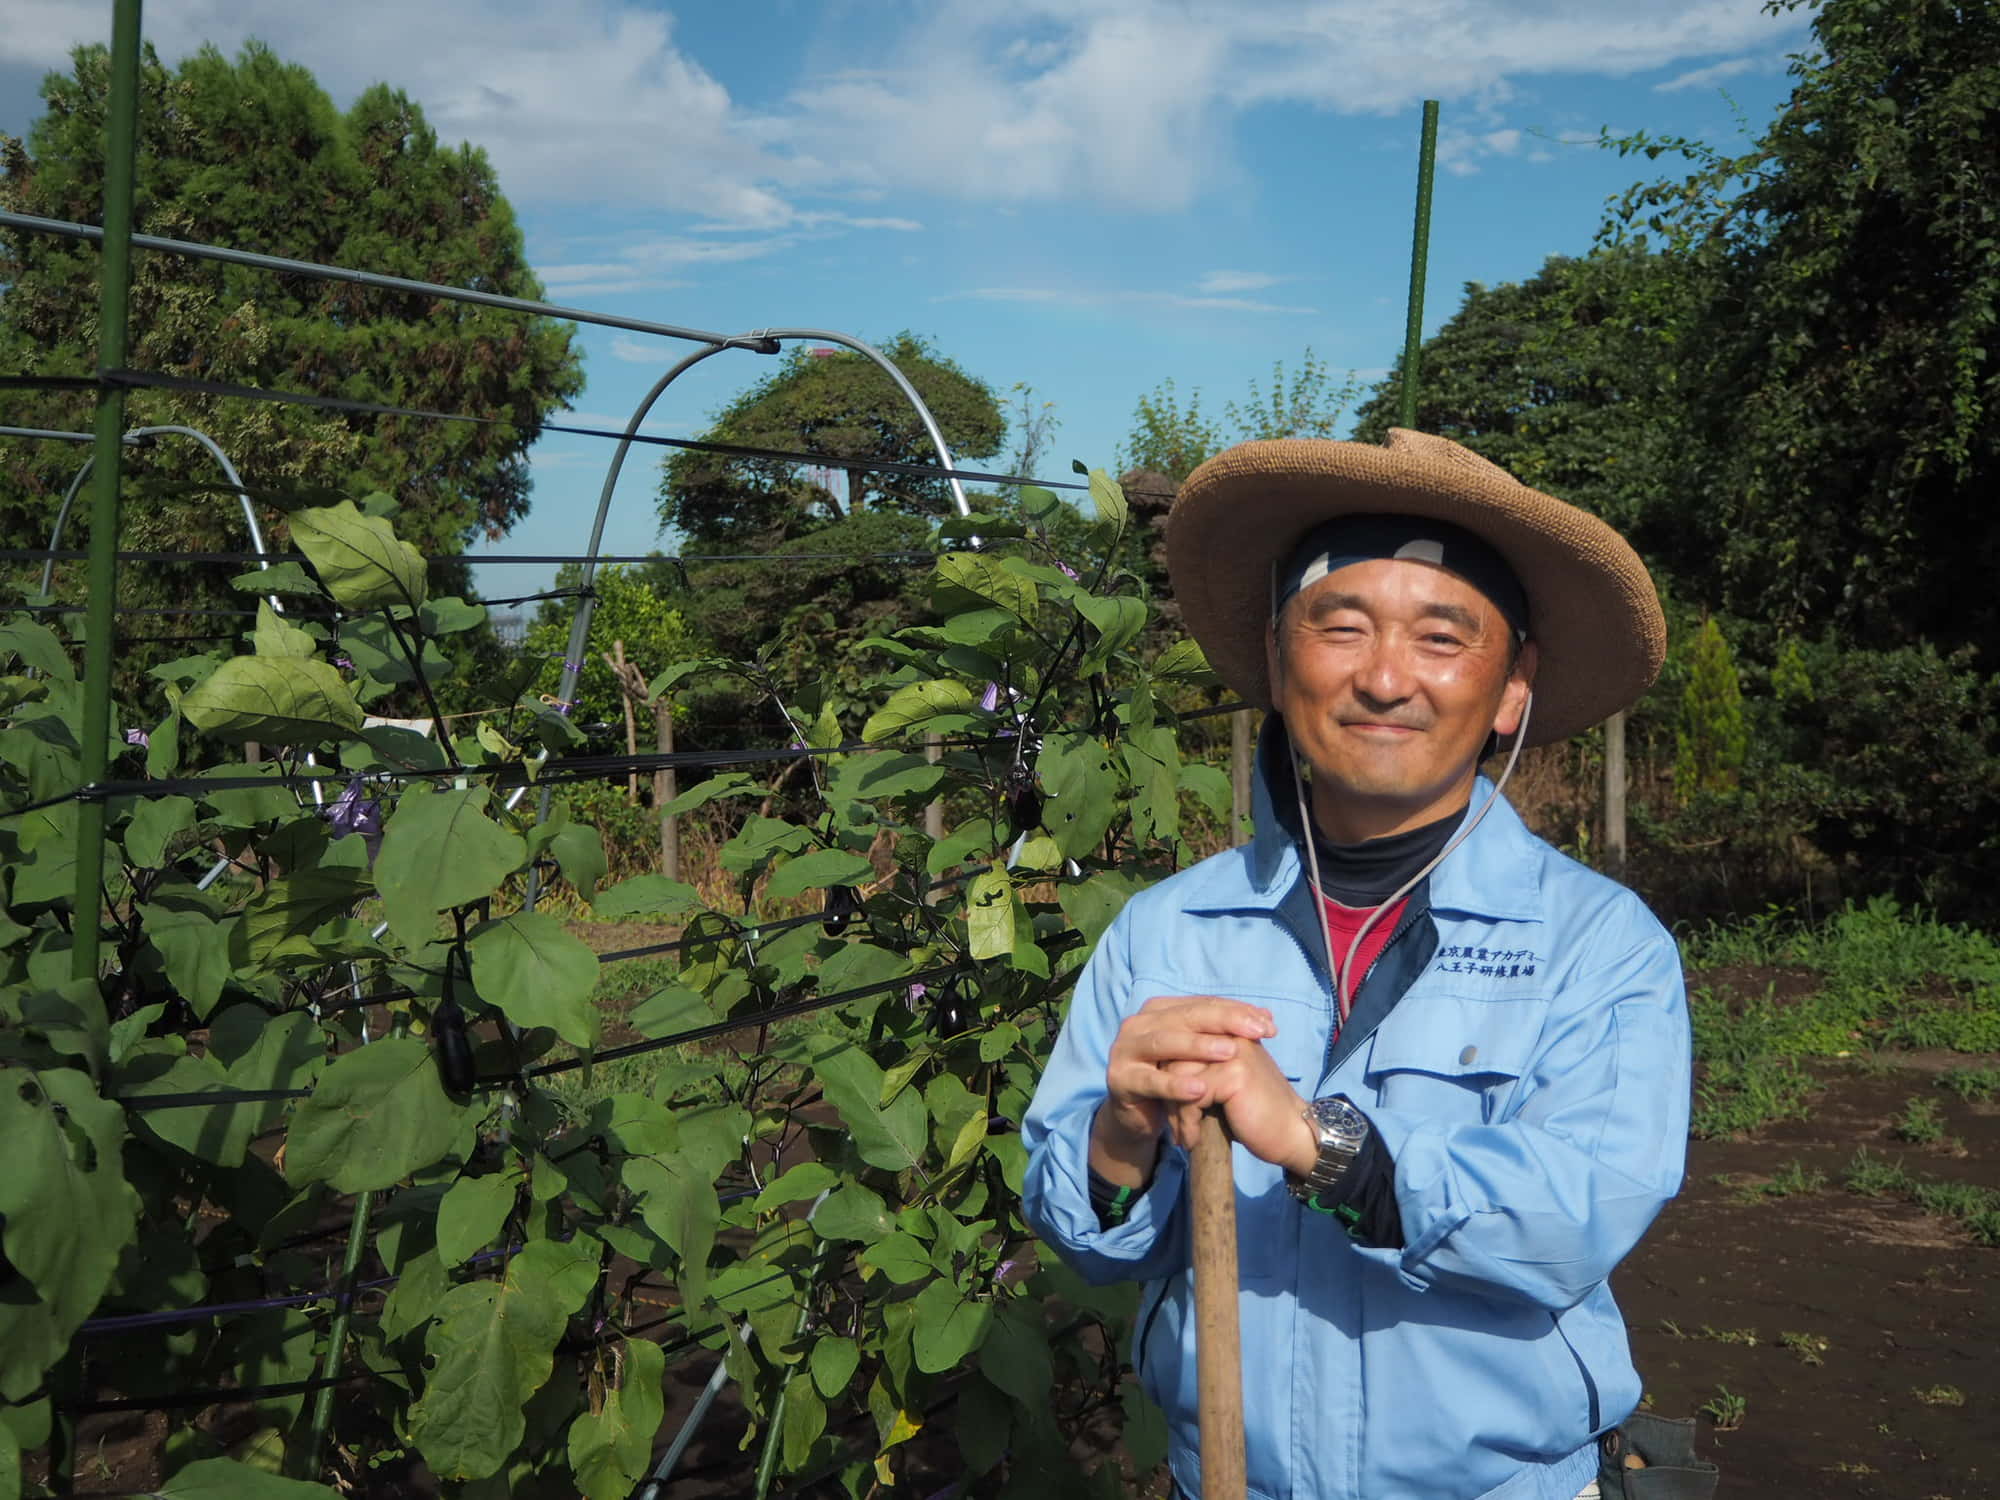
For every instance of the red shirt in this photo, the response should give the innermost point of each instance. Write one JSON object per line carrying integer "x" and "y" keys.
{"x": 1342, "y": 923}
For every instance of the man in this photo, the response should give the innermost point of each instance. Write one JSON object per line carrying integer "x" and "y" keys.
{"x": 1454, "y": 1062}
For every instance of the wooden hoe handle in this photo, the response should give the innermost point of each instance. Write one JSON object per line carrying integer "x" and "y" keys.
{"x": 1218, "y": 1339}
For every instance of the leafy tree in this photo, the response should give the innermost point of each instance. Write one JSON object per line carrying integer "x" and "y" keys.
{"x": 1559, "y": 379}
{"x": 1167, "y": 437}
{"x": 252, "y": 153}
{"x": 1712, "y": 738}
{"x": 1839, "y": 453}
{"x": 1031, "y": 425}
{"x": 842, "y": 405}
{"x": 629, "y": 609}
{"x": 1172, "y": 438}
{"x": 1307, "y": 403}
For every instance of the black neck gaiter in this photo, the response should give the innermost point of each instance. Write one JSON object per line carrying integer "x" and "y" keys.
{"x": 1368, "y": 873}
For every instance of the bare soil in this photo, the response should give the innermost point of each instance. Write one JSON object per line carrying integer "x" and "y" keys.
{"x": 1904, "y": 1403}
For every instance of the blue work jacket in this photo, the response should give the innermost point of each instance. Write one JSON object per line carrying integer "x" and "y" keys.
{"x": 1526, "y": 1064}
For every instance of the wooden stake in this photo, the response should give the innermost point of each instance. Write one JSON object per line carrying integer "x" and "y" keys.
{"x": 1614, "y": 795}
{"x": 615, "y": 659}
{"x": 666, "y": 788}
{"x": 1218, "y": 1336}
{"x": 1242, "y": 754}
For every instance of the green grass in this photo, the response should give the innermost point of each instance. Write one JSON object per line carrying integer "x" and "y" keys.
{"x": 1885, "y": 979}
{"x": 1974, "y": 1085}
{"x": 1974, "y": 1207}
{"x": 1921, "y": 1122}
{"x": 1941, "y": 1395}
{"x": 1789, "y": 1180}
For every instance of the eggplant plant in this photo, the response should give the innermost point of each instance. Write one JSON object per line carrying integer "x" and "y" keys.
{"x": 334, "y": 1138}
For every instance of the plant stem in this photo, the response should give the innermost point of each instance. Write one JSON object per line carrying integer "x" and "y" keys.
{"x": 416, "y": 660}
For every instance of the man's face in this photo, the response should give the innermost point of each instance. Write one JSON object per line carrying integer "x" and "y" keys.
{"x": 1390, "y": 674}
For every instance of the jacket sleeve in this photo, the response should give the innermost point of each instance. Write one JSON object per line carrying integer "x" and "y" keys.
{"x": 1540, "y": 1207}
{"x": 1056, "y": 1192}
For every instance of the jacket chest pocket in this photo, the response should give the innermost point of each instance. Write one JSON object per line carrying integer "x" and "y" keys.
{"x": 1455, "y": 1059}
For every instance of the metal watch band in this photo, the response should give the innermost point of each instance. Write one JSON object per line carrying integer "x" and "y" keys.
{"x": 1342, "y": 1130}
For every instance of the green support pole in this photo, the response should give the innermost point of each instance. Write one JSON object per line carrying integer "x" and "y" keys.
{"x": 1420, "y": 254}
{"x": 308, "y": 1462}
{"x": 120, "y": 153}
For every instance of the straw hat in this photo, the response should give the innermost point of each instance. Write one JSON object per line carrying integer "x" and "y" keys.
{"x": 1592, "y": 610}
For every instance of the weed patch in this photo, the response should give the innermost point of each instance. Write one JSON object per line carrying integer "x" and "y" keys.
{"x": 1789, "y": 1180}
{"x": 1809, "y": 1347}
{"x": 1737, "y": 1096}
{"x": 1974, "y": 1207}
{"x": 1726, "y": 1408}
{"x": 1921, "y": 1122}
{"x": 1888, "y": 978}
{"x": 1974, "y": 1085}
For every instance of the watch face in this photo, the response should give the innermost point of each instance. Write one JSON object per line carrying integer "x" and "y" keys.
{"x": 1340, "y": 1117}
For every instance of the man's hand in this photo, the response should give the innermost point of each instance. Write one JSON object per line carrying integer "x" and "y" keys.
{"x": 1168, "y": 1030}
{"x": 1262, "y": 1109}
{"x": 1179, "y": 1055}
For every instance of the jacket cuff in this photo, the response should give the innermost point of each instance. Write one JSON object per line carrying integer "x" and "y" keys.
{"x": 1421, "y": 1169}
{"x": 1068, "y": 1214}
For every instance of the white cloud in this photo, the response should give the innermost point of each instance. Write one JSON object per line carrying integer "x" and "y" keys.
{"x": 1217, "y": 283}
{"x": 1132, "y": 103}
{"x": 1460, "y": 151}
{"x": 1128, "y": 102}
{"x": 636, "y": 351}
{"x": 652, "y": 264}
{"x": 1701, "y": 78}
{"x": 1122, "y": 297}
{"x": 572, "y": 102}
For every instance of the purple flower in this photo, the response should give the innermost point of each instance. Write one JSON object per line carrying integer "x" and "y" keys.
{"x": 1071, "y": 573}
{"x": 990, "y": 699}
{"x": 356, "y": 811}
{"x": 914, "y": 995}
{"x": 344, "y": 662}
{"x": 138, "y": 737}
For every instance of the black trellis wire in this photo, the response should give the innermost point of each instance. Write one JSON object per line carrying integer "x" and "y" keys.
{"x": 504, "y": 776}
{"x": 227, "y": 1098}
{"x": 542, "y": 559}
{"x": 218, "y": 1396}
{"x": 238, "y": 1395}
{"x": 155, "y": 380}
{"x": 181, "y": 1316}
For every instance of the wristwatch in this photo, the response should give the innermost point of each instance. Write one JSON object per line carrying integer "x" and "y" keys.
{"x": 1342, "y": 1131}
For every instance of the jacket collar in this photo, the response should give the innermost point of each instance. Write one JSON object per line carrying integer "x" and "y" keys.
{"x": 1494, "y": 874}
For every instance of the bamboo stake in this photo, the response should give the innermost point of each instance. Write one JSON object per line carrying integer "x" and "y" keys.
{"x": 1218, "y": 1336}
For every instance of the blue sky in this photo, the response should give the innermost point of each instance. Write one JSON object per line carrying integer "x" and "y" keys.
{"x": 1085, "y": 196}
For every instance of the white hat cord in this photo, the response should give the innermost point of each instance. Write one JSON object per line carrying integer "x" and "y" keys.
{"x": 1340, "y": 970}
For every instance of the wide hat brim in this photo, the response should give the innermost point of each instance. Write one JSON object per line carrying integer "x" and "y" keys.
{"x": 1593, "y": 612}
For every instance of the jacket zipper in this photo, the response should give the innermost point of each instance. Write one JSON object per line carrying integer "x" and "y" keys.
{"x": 1403, "y": 924}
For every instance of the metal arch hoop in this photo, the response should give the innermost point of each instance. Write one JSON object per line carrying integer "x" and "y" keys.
{"x": 138, "y": 434}
{"x": 135, "y": 435}
{"x": 760, "y": 341}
